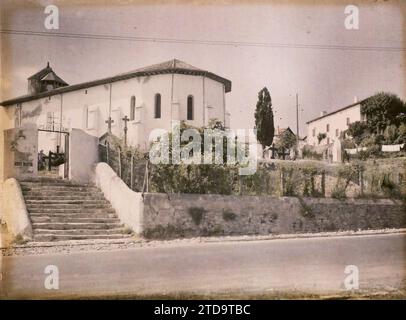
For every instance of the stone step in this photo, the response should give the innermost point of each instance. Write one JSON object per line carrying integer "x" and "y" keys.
{"x": 52, "y": 185}
{"x": 70, "y": 211}
{"x": 64, "y": 198}
{"x": 43, "y": 206}
{"x": 79, "y": 219}
{"x": 67, "y": 202}
{"x": 68, "y": 188}
{"x": 41, "y": 193}
{"x": 43, "y": 179}
{"x": 75, "y": 225}
{"x": 57, "y": 237}
{"x": 81, "y": 231}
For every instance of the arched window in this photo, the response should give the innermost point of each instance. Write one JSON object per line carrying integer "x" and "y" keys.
{"x": 190, "y": 108}
{"x": 132, "y": 108}
{"x": 157, "y": 106}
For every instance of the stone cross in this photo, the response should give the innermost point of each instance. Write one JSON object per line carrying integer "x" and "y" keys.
{"x": 125, "y": 119}
{"x": 109, "y": 122}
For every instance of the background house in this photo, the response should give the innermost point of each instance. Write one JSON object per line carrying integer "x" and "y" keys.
{"x": 332, "y": 124}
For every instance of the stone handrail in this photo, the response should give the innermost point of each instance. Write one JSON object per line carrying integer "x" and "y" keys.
{"x": 15, "y": 212}
{"x": 127, "y": 203}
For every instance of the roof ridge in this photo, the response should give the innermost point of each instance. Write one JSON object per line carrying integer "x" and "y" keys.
{"x": 159, "y": 68}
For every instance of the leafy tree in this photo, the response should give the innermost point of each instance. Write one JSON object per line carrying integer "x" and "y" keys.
{"x": 382, "y": 110}
{"x": 402, "y": 134}
{"x": 321, "y": 136}
{"x": 390, "y": 134}
{"x": 358, "y": 130}
{"x": 264, "y": 122}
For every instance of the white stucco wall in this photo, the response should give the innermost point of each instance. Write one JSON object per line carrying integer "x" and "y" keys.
{"x": 83, "y": 154}
{"x": 336, "y": 121}
{"x": 15, "y": 213}
{"x": 94, "y": 105}
{"x": 127, "y": 203}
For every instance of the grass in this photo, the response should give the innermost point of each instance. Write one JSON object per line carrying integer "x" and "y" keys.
{"x": 282, "y": 295}
{"x": 19, "y": 240}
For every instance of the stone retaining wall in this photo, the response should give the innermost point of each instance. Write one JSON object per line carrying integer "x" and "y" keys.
{"x": 189, "y": 215}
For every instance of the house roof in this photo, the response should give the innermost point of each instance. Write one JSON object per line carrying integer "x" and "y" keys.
{"x": 168, "y": 67}
{"x": 336, "y": 111}
{"x": 282, "y": 130}
{"x": 47, "y": 74}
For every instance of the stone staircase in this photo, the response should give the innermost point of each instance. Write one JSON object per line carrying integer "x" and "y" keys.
{"x": 62, "y": 210}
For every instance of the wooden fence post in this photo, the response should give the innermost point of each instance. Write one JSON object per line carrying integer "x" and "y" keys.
{"x": 119, "y": 162}
{"x": 323, "y": 183}
{"x": 107, "y": 153}
{"x": 282, "y": 181}
{"x": 145, "y": 186}
{"x": 147, "y": 175}
{"x": 241, "y": 185}
{"x": 361, "y": 180}
{"x": 312, "y": 183}
{"x": 132, "y": 171}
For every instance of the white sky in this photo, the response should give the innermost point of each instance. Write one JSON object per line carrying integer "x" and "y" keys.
{"x": 325, "y": 79}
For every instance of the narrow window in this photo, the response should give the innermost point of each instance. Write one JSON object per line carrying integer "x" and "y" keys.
{"x": 327, "y": 127}
{"x": 348, "y": 121}
{"x": 314, "y": 132}
{"x": 337, "y": 133}
{"x": 190, "y": 107}
{"x": 157, "y": 106}
{"x": 132, "y": 108}
{"x": 328, "y": 140}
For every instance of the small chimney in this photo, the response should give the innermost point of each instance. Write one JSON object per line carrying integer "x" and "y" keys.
{"x": 355, "y": 99}
{"x": 323, "y": 113}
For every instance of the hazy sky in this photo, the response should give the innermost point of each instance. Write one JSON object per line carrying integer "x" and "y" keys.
{"x": 326, "y": 79}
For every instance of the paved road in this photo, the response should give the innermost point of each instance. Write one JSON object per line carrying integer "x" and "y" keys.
{"x": 312, "y": 265}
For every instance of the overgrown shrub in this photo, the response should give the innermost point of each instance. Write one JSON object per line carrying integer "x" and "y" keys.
{"x": 228, "y": 215}
{"x": 196, "y": 214}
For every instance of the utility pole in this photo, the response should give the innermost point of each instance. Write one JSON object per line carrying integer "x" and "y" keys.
{"x": 297, "y": 123}
{"x": 297, "y": 116}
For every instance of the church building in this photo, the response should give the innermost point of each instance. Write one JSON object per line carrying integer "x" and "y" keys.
{"x": 140, "y": 100}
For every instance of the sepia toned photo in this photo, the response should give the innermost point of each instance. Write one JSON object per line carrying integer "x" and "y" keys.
{"x": 216, "y": 150}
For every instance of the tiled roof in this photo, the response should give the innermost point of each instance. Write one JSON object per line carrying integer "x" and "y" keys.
{"x": 47, "y": 74}
{"x": 168, "y": 67}
{"x": 337, "y": 110}
{"x": 173, "y": 64}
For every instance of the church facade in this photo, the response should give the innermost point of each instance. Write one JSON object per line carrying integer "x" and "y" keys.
{"x": 141, "y": 100}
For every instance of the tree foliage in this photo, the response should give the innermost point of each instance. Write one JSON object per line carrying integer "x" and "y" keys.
{"x": 264, "y": 121}
{"x": 358, "y": 130}
{"x": 382, "y": 110}
{"x": 385, "y": 121}
{"x": 321, "y": 137}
